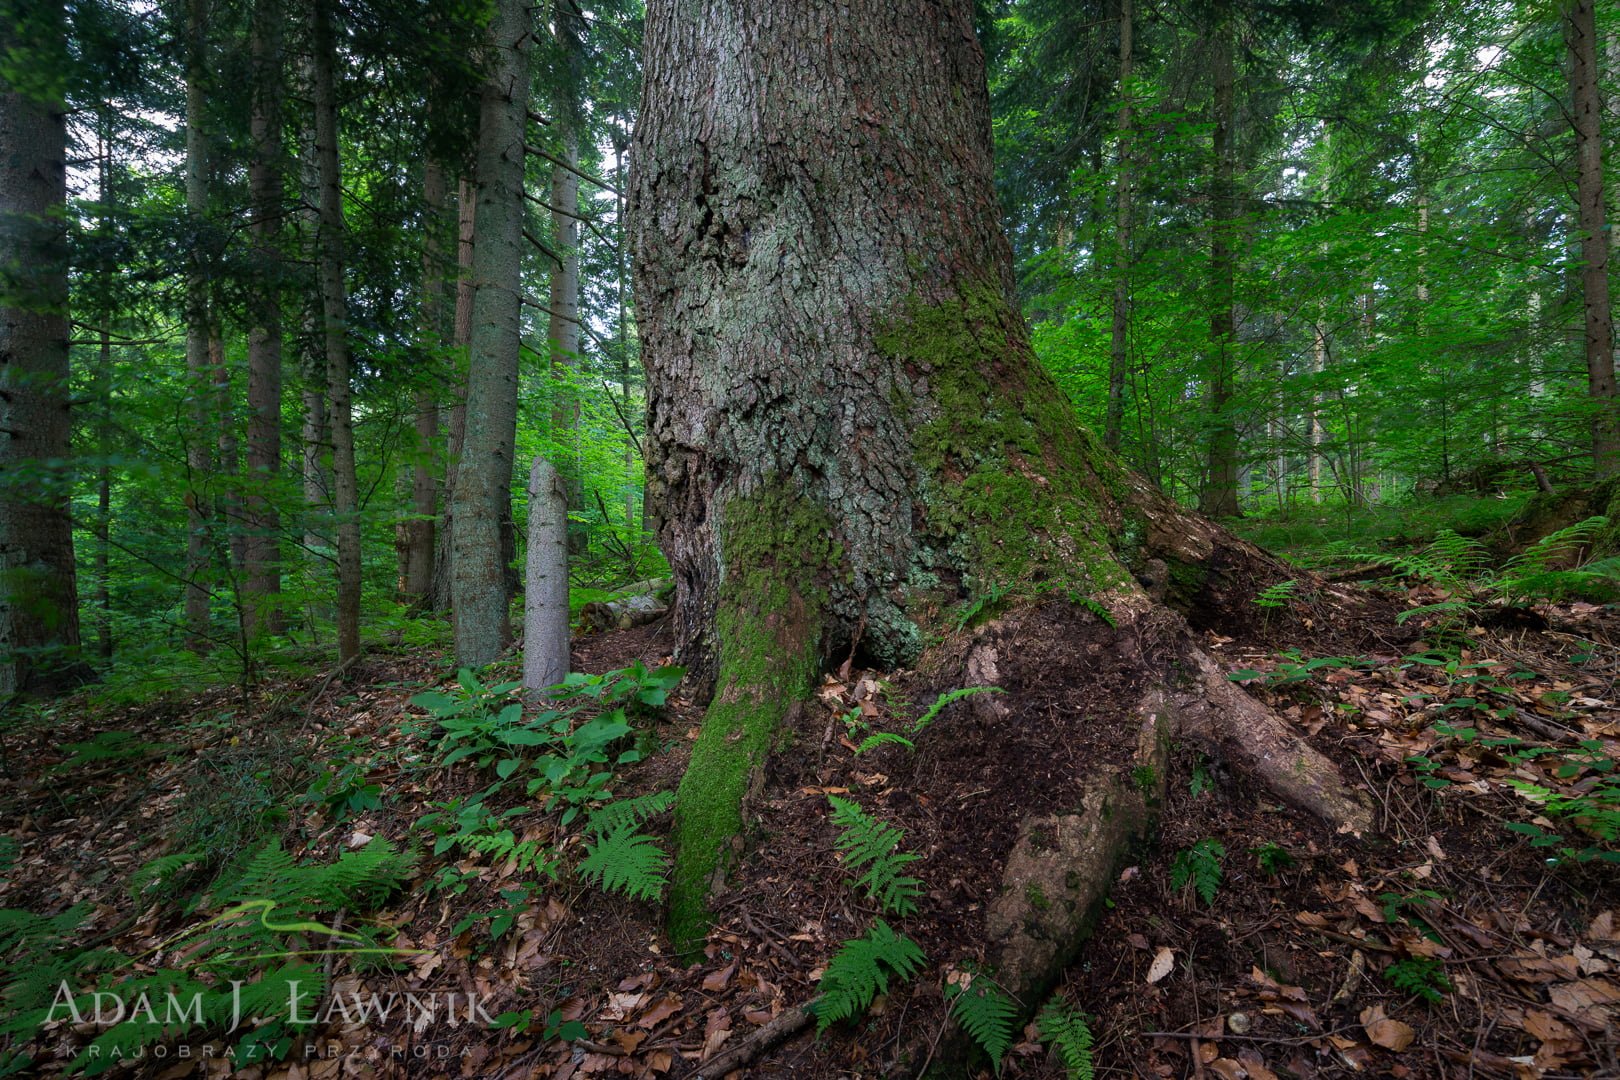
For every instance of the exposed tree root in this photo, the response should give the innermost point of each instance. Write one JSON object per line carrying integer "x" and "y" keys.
{"x": 784, "y": 1027}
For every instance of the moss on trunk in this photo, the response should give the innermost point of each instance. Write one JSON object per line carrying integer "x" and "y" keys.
{"x": 779, "y": 557}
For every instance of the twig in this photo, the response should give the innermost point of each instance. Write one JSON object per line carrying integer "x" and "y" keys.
{"x": 784, "y": 1027}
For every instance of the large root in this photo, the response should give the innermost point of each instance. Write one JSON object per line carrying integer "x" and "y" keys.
{"x": 1058, "y": 875}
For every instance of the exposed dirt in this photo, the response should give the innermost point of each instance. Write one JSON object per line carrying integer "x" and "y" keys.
{"x": 1280, "y": 976}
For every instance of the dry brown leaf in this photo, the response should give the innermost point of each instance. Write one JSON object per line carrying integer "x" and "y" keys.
{"x": 719, "y": 980}
{"x": 1163, "y": 962}
{"x": 1589, "y": 1001}
{"x": 1545, "y": 1026}
{"x": 660, "y": 1012}
{"x": 1255, "y": 1065}
{"x": 1227, "y": 1069}
{"x": 1385, "y": 1032}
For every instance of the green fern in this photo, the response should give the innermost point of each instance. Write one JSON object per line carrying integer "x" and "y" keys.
{"x": 884, "y": 738}
{"x": 626, "y": 861}
{"x": 872, "y": 844}
{"x": 1064, "y": 1029}
{"x": 860, "y": 970}
{"x": 984, "y": 1011}
{"x": 1276, "y": 596}
{"x": 1201, "y": 865}
{"x": 159, "y": 872}
{"x": 1420, "y": 976}
{"x": 526, "y": 856}
{"x": 1450, "y": 561}
{"x": 948, "y": 698}
{"x": 605, "y": 819}
{"x": 1565, "y": 545}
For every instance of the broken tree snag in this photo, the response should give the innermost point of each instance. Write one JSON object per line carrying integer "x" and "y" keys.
{"x": 769, "y": 626}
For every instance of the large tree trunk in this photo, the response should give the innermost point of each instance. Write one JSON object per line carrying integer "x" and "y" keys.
{"x": 262, "y": 580}
{"x": 39, "y": 607}
{"x": 849, "y": 434}
{"x": 330, "y": 241}
{"x": 1580, "y": 33}
{"x": 199, "y": 373}
{"x": 1219, "y": 496}
{"x": 483, "y": 491}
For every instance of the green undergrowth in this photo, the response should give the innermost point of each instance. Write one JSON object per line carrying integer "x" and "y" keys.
{"x": 1315, "y": 534}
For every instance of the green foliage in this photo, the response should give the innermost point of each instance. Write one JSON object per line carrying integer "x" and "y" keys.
{"x": 1293, "y": 668}
{"x": 1200, "y": 865}
{"x": 1064, "y": 1029}
{"x": 860, "y": 970}
{"x": 159, "y": 871}
{"x": 1272, "y": 858}
{"x": 874, "y": 845}
{"x": 626, "y": 861}
{"x": 1278, "y": 595}
{"x": 109, "y": 746}
{"x": 984, "y": 1010}
{"x": 886, "y": 738}
{"x": 1419, "y": 976}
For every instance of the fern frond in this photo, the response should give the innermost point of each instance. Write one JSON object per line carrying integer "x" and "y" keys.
{"x": 159, "y": 871}
{"x": 1200, "y": 864}
{"x": 985, "y": 1013}
{"x": 1557, "y": 546}
{"x": 870, "y": 843}
{"x": 860, "y": 970}
{"x": 1064, "y": 1029}
{"x": 626, "y": 861}
{"x": 884, "y": 738}
{"x": 605, "y": 819}
{"x": 948, "y": 698}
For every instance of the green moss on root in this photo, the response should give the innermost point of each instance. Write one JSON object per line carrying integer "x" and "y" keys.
{"x": 778, "y": 552}
{"x": 1014, "y": 491}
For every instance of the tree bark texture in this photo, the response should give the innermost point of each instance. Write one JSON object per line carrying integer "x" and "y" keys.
{"x": 562, "y": 333}
{"x": 1219, "y": 497}
{"x": 545, "y": 589}
{"x": 1580, "y": 34}
{"x": 262, "y": 580}
{"x": 199, "y": 373}
{"x": 456, "y": 427}
{"x": 330, "y": 242}
{"x": 416, "y": 577}
{"x": 849, "y": 435}
{"x": 483, "y": 491}
{"x": 1119, "y": 345}
{"x": 39, "y": 613}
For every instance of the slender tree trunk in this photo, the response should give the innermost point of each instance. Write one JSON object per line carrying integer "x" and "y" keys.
{"x": 461, "y": 338}
{"x": 622, "y": 329}
{"x": 416, "y": 576}
{"x": 330, "y": 243}
{"x": 1580, "y": 31}
{"x": 1219, "y": 497}
{"x": 562, "y": 333}
{"x": 39, "y": 607}
{"x": 199, "y": 374}
{"x": 1119, "y": 346}
{"x": 104, "y": 419}
{"x": 483, "y": 491}
{"x": 545, "y": 588}
{"x": 1319, "y": 355}
{"x": 262, "y": 577}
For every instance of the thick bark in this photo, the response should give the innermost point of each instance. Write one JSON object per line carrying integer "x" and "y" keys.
{"x": 330, "y": 241}
{"x": 1119, "y": 345}
{"x": 483, "y": 491}
{"x": 199, "y": 448}
{"x": 39, "y": 611}
{"x": 1219, "y": 497}
{"x": 416, "y": 569}
{"x": 849, "y": 434}
{"x": 262, "y": 578}
{"x": 1580, "y": 33}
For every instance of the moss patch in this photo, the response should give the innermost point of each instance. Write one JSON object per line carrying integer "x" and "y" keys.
{"x": 1014, "y": 493}
{"x": 777, "y": 552}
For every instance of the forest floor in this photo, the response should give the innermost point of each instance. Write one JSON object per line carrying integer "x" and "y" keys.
{"x": 1448, "y": 946}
